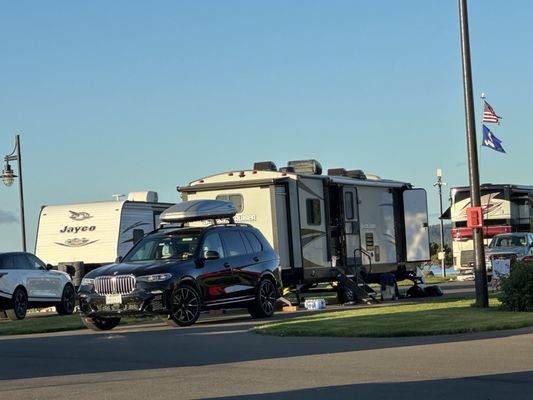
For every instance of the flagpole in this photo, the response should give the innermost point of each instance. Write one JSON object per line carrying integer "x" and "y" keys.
{"x": 483, "y": 97}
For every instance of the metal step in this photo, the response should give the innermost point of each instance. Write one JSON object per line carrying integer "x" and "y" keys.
{"x": 362, "y": 292}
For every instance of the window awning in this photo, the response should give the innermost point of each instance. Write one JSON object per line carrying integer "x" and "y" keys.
{"x": 447, "y": 214}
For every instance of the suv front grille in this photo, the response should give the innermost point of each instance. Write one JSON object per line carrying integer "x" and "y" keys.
{"x": 120, "y": 284}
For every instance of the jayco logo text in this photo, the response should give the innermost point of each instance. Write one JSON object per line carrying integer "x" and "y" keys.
{"x": 76, "y": 229}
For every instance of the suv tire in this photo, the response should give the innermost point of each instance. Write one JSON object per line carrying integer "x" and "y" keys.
{"x": 265, "y": 300}
{"x": 19, "y": 304}
{"x": 68, "y": 301}
{"x": 185, "y": 306}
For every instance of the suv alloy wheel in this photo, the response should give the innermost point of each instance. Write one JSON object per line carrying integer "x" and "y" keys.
{"x": 186, "y": 306}
{"x": 19, "y": 303}
{"x": 68, "y": 301}
{"x": 265, "y": 300}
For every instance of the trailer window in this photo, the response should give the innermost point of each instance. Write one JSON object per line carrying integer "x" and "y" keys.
{"x": 236, "y": 199}
{"x": 313, "y": 211}
{"x": 348, "y": 205}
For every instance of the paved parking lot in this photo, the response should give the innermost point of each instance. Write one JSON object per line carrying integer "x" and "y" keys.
{"x": 219, "y": 358}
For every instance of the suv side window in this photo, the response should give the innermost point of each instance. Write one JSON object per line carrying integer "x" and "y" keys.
{"x": 212, "y": 242}
{"x": 233, "y": 243}
{"x": 34, "y": 261}
{"x": 20, "y": 261}
{"x": 254, "y": 241}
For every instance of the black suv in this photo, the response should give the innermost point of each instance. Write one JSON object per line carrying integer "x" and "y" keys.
{"x": 176, "y": 272}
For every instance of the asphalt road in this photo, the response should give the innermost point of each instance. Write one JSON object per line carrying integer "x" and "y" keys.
{"x": 218, "y": 358}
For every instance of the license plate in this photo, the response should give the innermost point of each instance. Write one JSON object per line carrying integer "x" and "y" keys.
{"x": 113, "y": 299}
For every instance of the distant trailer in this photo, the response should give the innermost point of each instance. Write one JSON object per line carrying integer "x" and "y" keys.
{"x": 322, "y": 224}
{"x": 96, "y": 233}
{"x": 506, "y": 208}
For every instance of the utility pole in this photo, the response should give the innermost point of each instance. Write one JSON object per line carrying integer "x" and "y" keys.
{"x": 482, "y": 296}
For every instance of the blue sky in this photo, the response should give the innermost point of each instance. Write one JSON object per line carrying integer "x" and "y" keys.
{"x": 113, "y": 97}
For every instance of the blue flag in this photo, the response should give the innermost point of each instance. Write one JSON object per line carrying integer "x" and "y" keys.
{"x": 491, "y": 141}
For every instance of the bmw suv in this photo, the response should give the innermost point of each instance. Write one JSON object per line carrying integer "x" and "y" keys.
{"x": 176, "y": 272}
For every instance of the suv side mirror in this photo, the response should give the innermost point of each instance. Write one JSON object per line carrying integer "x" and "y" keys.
{"x": 118, "y": 259}
{"x": 211, "y": 255}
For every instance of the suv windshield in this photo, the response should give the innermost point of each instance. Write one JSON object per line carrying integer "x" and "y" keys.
{"x": 177, "y": 246}
{"x": 508, "y": 241}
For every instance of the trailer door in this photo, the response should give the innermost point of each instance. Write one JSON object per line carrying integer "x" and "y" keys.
{"x": 351, "y": 223}
{"x": 416, "y": 225}
{"x": 312, "y": 223}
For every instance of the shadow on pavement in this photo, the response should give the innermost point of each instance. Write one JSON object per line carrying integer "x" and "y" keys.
{"x": 503, "y": 386}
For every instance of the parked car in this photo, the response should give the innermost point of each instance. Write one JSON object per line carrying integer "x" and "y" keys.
{"x": 517, "y": 246}
{"x": 26, "y": 281}
{"x": 176, "y": 272}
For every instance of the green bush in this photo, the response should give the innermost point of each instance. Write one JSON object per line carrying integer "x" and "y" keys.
{"x": 517, "y": 289}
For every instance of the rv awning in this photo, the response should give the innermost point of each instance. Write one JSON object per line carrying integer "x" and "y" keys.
{"x": 447, "y": 214}
{"x": 202, "y": 187}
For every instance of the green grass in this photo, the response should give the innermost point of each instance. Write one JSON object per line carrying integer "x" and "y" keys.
{"x": 49, "y": 323}
{"x": 436, "y": 280}
{"x": 428, "y": 318}
{"x": 41, "y": 324}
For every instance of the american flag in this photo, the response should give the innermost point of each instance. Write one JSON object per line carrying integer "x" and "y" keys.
{"x": 489, "y": 115}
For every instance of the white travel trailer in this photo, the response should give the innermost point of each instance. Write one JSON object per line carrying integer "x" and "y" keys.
{"x": 95, "y": 234}
{"x": 321, "y": 225}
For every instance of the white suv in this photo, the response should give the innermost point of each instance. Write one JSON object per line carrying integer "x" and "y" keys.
{"x": 25, "y": 281}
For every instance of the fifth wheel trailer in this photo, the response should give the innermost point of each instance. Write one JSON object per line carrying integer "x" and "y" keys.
{"x": 320, "y": 224}
{"x": 96, "y": 233}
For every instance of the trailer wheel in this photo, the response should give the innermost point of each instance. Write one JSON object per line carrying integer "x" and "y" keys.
{"x": 100, "y": 324}
{"x": 265, "y": 300}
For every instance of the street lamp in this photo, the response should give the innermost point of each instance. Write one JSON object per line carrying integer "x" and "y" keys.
{"x": 8, "y": 176}
{"x": 442, "y": 254}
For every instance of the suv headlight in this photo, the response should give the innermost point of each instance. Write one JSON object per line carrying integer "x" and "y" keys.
{"x": 154, "y": 278}
{"x": 87, "y": 282}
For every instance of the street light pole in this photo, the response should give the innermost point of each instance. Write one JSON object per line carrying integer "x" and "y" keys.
{"x": 8, "y": 177}
{"x": 440, "y": 183}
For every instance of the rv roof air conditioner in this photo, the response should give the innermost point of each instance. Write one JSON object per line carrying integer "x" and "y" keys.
{"x": 311, "y": 167}
{"x": 198, "y": 210}
{"x": 354, "y": 173}
{"x": 149, "y": 196}
{"x": 337, "y": 172}
{"x": 289, "y": 170}
{"x": 265, "y": 166}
